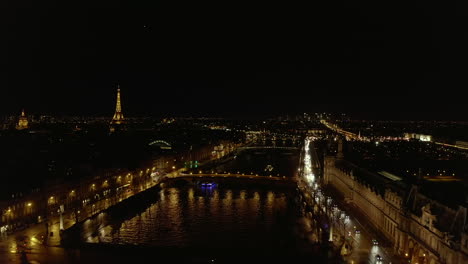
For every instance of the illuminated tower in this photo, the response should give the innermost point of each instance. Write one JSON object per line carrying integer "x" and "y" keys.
{"x": 22, "y": 122}
{"x": 118, "y": 118}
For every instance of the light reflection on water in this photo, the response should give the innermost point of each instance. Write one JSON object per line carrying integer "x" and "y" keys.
{"x": 196, "y": 217}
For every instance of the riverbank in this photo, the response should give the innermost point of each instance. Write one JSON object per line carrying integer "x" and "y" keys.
{"x": 242, "y": 224}
{"x": 71, "y": 236}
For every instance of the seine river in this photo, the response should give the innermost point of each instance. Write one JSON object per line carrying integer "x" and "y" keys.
{"x": 216, "y": 223}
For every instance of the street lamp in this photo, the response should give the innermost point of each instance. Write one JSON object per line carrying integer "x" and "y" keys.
{"x": 8, "y": 216}
{"x": 29, "y": 211}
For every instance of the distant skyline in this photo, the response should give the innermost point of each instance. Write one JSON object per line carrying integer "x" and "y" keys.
{"x": 375, "y": 61}
{"x": 407, "y": 116}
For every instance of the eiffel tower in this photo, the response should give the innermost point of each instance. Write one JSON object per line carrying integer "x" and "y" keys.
{"x": 118, "y": 118}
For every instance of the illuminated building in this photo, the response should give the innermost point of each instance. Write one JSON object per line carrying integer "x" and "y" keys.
{"x": 22, "y": 122}
{"x": 118, "y": 118}
{"x": 421, "y": 229}
{"x": 418, "y": 136}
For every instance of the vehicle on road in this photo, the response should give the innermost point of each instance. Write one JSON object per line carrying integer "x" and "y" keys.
{"x": 374, "y": 242}
{"x": 378, "y": 258}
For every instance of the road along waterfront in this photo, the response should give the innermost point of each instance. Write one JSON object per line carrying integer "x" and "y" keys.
{"x": 202, "y": 219}
{"x": 238, "y": 217}
{"x": 336, "y": 221}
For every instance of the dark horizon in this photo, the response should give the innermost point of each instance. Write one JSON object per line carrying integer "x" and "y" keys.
{"x": 377, "y": 62}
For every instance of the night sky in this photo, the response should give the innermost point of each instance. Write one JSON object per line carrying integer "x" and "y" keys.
{"x": 383, "y": 61}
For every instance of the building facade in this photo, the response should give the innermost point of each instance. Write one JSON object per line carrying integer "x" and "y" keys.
{"x": 22, "y": 122}
{"x": 421, "y": 229}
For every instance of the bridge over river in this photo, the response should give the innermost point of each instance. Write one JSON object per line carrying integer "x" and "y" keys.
{"x": 266, "y": 216}
{"x": 231, "y": 175}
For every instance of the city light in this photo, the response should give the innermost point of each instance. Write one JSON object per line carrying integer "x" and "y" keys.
{"x": 308, "y": 173}
{"x": 329, "y": 188}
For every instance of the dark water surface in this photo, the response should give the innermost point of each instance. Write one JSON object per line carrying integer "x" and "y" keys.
{"x": 226, "y": 223}
{"x": 217, "y": 222}
{"x": 276, "y": 162}
{"x": 195, "y": 216}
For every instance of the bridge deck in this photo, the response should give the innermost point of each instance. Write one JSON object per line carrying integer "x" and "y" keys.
{"x": 267, "y": 147}
{"x": 232, "y": 175}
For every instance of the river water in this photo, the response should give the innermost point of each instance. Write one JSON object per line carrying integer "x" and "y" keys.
{"x": 217, "y": 223}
